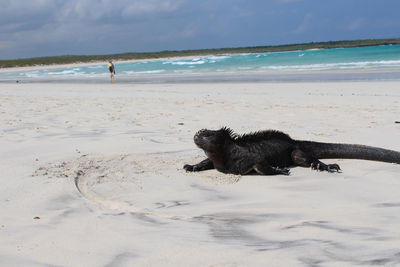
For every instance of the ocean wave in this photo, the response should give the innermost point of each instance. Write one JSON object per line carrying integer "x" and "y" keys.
{"x": 143, "y": 72}
{"x": 33, "y": 74}
{"x": 340, "y": 65}
{"x": 96, "y": 67}
{"x": 218, "y": 58}
{"x": 196, "y": 60}
{"x": 65, "y": 72}
{"x": 185, "y": 62}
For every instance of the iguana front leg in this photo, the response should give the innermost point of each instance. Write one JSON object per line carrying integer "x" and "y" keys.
{"x": 201, "y": 166}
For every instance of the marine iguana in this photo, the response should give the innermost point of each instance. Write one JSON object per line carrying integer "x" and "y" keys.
{"x": 272, "y": 152}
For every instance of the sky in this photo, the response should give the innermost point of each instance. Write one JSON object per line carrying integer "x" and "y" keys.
{"x": 85, "y": 27}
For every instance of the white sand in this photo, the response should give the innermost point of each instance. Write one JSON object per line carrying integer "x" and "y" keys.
{"x": 91, "y": 176}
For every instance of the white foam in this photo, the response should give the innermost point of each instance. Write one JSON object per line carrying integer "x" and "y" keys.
{"x": 188, "y": 63}
{"x": 64, "y": 72}
{"x": 96, "y": 67}
{"x": 341, "y": 65}
{"x": 143, "y": 72}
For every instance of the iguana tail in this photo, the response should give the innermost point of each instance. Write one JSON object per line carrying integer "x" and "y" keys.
{"x": 348, "y": 151}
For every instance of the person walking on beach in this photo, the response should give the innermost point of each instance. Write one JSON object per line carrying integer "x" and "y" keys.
{"x": 111, "y": 68}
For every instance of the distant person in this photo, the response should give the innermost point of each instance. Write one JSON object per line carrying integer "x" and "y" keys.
{"x": 111, "y": 68}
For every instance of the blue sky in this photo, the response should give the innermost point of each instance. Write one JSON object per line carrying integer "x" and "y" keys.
{"x": 64, "y": 27}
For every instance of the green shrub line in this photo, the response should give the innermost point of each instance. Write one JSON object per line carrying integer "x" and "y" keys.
{"x": 68, "y": 59}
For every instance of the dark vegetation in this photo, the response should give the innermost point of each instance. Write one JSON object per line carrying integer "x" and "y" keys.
{"x": 164, "y": 54}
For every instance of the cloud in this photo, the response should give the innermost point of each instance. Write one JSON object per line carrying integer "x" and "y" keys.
{"x": 59, "y": 27}
{"x": 305, "y": 25}
{"x": 87, "y": 10}
{"x": 5, "y": 44}
{"x": 150, "y": 6}
{"x": 289, "y": 1}
{"x": 16, "y": 15}
{"x": 356, "y": 24}
{"x": 12, "y": 8}
{"x": 13, "y": 11}
{"x": 79, "y": 23}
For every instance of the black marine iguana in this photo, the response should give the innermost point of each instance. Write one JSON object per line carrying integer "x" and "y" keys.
{"x": 272, "y": 152}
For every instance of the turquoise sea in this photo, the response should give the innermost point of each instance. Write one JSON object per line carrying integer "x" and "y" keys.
{"x": 361, "y": 63}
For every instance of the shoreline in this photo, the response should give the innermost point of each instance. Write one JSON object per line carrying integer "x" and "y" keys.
{"x": 392, "y": 74}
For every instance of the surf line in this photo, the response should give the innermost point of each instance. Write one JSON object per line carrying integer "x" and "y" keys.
{"x": 81, "y": 185}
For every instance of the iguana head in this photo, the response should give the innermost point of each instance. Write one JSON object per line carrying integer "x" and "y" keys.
{"x": 212, "y": 141}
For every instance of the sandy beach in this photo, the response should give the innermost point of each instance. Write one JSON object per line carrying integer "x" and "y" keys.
{"x": 91, "y": 175}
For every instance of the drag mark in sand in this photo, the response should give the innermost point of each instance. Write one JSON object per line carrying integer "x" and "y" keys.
{"x": 145, "y": 184}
